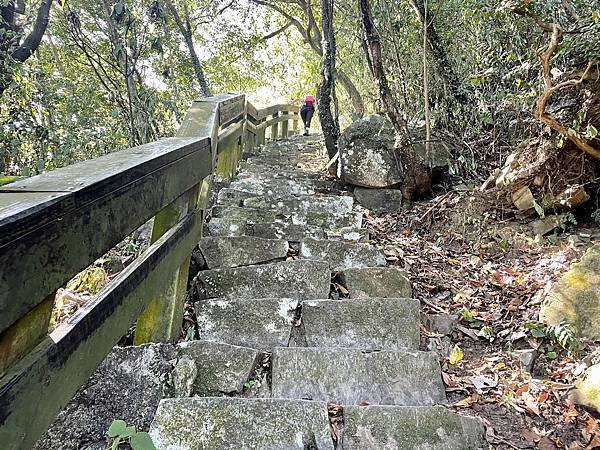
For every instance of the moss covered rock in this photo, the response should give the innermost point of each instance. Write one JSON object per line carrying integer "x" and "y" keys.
{"x": 575, "y": 298}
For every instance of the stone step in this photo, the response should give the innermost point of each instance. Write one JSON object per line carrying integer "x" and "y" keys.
{"x": 285, "y": 231}
{"x": 235, "y": 197}
{"x": 330, "y": 204}
{"x": 369, "y": 324}
{"x": 341, "y": 255}
{"x": 300, "y": 279}
{"x": 234, "y": 424}
{"x": 234, "y": 219}
{"x": 385, "y": 282}
{"x": 258, "y": 323}
{"x": 350, "y": 377}
{"x": 241, "y": 251}
{"x": 284, "y": 186}
{"x": 207, "y": 368}
{"x": 408, "y": 428}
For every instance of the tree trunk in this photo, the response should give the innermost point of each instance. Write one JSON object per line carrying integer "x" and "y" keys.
{"x": 138, "y": 116}
{"x": 311, "y": 35}
{"x": 417, "y": 174}
{"x": 442, "y": 64}
{"x": 31, "y": 43}
{"x": 373, "y": 47}
{"x": 326, "y": 91}
{"x": 186, "y": 31}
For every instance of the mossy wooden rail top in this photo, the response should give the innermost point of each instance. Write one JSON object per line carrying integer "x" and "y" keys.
{"x": 54, "y": 225}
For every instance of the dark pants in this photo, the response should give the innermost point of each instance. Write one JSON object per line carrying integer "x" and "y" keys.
{"x": 306, "y": 112}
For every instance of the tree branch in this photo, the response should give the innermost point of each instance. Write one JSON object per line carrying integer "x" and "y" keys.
{"x": 32, "y": 41}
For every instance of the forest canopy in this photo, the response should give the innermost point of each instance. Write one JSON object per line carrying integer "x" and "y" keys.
{"x": 80, "y": 79}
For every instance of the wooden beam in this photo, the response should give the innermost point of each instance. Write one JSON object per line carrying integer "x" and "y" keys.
{"x": 42, "y": 383}
{"x": 90, "y": 220}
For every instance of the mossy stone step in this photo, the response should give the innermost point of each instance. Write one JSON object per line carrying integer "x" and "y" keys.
{"x": 283, "y": 230}
{"x": 234, "y": 219}
{"x": 348, "y": 376}
{"x": 300, "y": 279}
{"x": 280, "y": 186}
{"x": 208, "y": 368}
{"x": 410, "y": 428}
{"x": 241, "y": 251}
{"x": 235, "y": 423}
{"x": 332, "y": 204}
{"x": 257, "y": 323}
{"x": 369, "y": 324}
{"x": 384, "y": 282}
{"x": 341, "y": 255}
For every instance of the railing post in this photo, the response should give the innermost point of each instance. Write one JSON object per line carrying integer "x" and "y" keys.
{"x": 275, "y": 128}
{"x": 262, "y": 133}
{"x": 161, "y": 320}
{"x": 295, "y": 123}
{"x": 25, "y": 334}
{"x": 284, "y": 127}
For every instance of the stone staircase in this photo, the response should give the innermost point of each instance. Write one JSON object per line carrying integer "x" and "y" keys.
{"x": 283, "y": 362}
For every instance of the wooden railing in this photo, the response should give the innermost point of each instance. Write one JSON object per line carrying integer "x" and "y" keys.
{"x": 54, "y": 225}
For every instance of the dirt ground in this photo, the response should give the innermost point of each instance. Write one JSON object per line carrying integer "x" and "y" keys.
{"x": 482, "y": 265}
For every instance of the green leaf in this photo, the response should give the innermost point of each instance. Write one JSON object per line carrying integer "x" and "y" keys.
{"x": 142, "y": 441}
{"x": 117, "y": 428}
{"x": 537, "y": 333}
{"x": 456, "y": 356}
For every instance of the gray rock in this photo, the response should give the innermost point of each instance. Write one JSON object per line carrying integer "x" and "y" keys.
{"x": 342, "y": 255}
{"x": 183, "y": 376}
{"x": 410, "y": 428}
{"x": 384, "y": 282}
{"x": 255, "y": 323}
{"x": 379, "y": 200}
{"x": 234, "y": 424}
{"x": 241, "y": 251}
{"x": 263, "y": 186}
{"x": 367, "y": 156}
{"x": 548, "y": 224}
{"x": 441, "y": 323}
{"x": 347, "y": 376}
{"x": 350, "y": 234}
{"x": 328, "y": 221}
{"x": 330, "y": 204}
{"x": 301, "y": 279}
{"x": 374, "y": 324}
{"x": 219, "y": 368}
{"x": 287, "y": 231}
{"x": 526, "y": 358}
{"x": 128, "y": 385}
{"x": 575, "y": 298}
{"x": 245, "y": 214}
{"x": 233, "y": 197}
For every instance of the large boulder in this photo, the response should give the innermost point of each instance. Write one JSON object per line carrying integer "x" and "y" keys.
{"x": 367, "y": 155}
{"x": 575, "y": 299}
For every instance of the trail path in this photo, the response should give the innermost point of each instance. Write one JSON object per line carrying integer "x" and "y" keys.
{"x": 286, "y": 362}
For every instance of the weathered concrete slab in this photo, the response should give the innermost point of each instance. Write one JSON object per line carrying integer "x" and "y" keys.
{"x": 286, "y": 231}
{"x": 575, "y": 298}
{"x": 256, "y": 323}
{"x": 280, "y": 186}
{"x": 379, "y": 200}
{"x": 300, "y": 279}
{"x": 341, "y": 255}
{"x": 207, "y": 368}
{"x": 234, "y": 424}
{"x": 384, "y": 282}
{"x": 241, "y": 251}
{"x": 328, "y": 221}
{"x": 128, "y": 385}
{"x": 232, "y": 197}
{"x": 245, "y": 214}
{"x": 348, "y": 376}
{"x": 331, "y": 204}
{"x": 370, "y": 324}
{"x": 350, "y": 234}
{"x": 410, "y": 428}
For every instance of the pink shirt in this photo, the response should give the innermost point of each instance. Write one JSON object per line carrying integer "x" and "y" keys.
{"x": 309, "y": 100}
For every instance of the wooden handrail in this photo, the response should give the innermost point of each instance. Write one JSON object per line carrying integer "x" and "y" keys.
{"x": 55, "y": 224}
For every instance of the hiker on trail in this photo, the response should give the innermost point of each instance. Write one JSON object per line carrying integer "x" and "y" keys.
{"x": 306, "y": 111}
